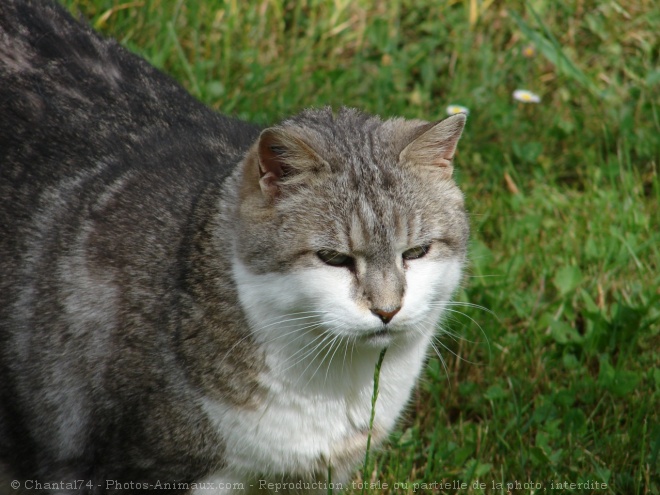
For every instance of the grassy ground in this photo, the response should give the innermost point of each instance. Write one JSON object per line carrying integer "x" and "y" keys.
{"x": 561, "y": 384}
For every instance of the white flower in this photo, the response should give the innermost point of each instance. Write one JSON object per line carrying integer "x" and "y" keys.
{"x": 454, "y": 109}
{"x": 526, "y": 96}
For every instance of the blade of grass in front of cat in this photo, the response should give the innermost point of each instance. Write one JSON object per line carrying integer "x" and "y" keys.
{"x": 374, "y": 398}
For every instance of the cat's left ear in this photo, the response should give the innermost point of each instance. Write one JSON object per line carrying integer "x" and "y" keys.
{"x": 434, "y": 145}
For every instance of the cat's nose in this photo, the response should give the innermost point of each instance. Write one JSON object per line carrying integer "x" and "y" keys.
{"x": 385, "y": 316}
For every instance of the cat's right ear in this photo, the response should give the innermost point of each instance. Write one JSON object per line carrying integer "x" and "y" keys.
{"x": 286, "y": 159}
{"x": 434, "y": 146}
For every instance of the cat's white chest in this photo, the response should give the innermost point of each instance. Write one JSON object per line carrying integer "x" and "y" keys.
{"x": 300, "y": 429}
{"x": 287, "y": 433}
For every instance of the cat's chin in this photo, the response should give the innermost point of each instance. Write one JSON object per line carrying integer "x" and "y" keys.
{"x": 376, "y": 338}
{"x": 386, "y": 335}
{"x": 372, "y": 337}
{"x": 379, "y": 338}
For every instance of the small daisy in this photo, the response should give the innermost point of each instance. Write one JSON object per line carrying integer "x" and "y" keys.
{"x": 526, "y": 96}
{"x": 529, "y": 51}
{"x": 454, "y": 109}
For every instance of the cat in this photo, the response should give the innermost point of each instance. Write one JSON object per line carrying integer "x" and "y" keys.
{"x": 190, "y": 303}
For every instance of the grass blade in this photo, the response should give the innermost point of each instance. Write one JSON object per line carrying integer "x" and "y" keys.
{"x": 374, "y": 398}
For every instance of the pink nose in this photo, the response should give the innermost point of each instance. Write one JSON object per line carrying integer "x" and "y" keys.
{"x": 385, "y": 316}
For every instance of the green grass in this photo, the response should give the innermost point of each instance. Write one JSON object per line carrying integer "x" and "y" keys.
{"x": 562, "y": 383}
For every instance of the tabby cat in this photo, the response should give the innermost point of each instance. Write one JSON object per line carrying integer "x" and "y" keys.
{"x": 189, "y": 302}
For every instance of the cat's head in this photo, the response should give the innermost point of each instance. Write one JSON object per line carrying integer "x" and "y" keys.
{"x": 350, "y": 226}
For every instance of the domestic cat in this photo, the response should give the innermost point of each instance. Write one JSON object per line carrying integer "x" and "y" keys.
{"x": 189, "y": 302}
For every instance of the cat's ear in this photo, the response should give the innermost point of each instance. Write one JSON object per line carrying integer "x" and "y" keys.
{"x": 286, "y": 159}
{"x": 434, "y": 145}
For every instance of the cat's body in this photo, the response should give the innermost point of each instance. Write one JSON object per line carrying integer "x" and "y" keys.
{"x": 174, "y": 305}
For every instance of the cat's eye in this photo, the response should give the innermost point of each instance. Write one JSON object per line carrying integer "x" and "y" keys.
{"x": 335, "y": 258}
{"x": 416, "y": 252}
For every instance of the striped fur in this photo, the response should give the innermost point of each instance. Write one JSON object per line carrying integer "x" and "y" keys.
{"x": 166, "y": 313}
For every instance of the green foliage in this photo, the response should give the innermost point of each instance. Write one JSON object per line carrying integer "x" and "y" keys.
{"x": 562, "y": 382}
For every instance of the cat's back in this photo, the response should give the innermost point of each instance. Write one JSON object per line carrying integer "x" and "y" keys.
{"x": 80, "y": 117}
{"x": 105, "y": 163}
{"x": 66, "y": 94}
{"x": 97, "y": 148}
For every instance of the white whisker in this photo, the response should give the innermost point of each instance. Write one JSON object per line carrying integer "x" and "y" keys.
{"x": 325, "y": 346}
{"x": 339, "y": 340}
{"x": 438, "y": 341}
{"x": 444, "y": 304}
